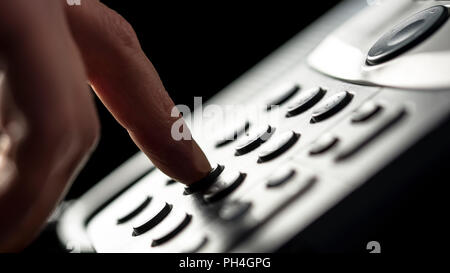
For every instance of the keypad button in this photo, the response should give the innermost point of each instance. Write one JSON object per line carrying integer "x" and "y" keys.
{"x": 367, "y": 111}
{"x": 226, "y": 184}
{"x": 323, "y": 144}
{"x": 307, "y": 100}
{"x": 331, "y": 106}
{"x": 174, "y": 231}
{"x": 135, "y": 211}
{"x": 234, "y": 210}
{"x": 255, "y": 139}
{"x": 170, "y": 182}
{"x": 145, "y": 224}
{"x": 268, "y": 202}
{"x": 278, "y": 145}
{"x": 206, "y": 182}
{"x": 354, "y": 147}
{"x": 232, "y": 135}
{"x": 280, "y": 177}
{"x": 199, "y": 245}
{"x": 283, "y": 98}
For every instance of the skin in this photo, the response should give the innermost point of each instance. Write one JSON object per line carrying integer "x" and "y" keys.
{"x": 48, "y": 122}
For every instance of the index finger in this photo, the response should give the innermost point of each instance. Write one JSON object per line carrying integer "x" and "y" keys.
{"x": 129, "y": 86}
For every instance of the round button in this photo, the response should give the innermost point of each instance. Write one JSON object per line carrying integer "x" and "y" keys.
{"x": 331, "y": 106}
{"x": 407, "y": 34}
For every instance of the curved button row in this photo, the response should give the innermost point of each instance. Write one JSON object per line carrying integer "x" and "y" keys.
{"x": 258, "y": 137}
{"x": 331, "y": 106}
{"x": 151, "y": 216}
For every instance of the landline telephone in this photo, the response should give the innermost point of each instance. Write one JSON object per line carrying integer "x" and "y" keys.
{"x": 355, "y": 92}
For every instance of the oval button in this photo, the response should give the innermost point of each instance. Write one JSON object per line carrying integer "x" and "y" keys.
{"x": 199, "y": 244}
{"x": 255, "y": 139}
{"x": 173, "y": 231}
{"x": 127, "y": 217}
{"x": 225, "y": 185}
{"x": 145, "y": 224}
{"x": 367, "y": 111}
{"x": 331, "y": 106}
{"x": 323, "y": 144}
{"x": 234, "y": 210}
{"x": 278, "y": 146}
{"x": 231, "y": 135}
{"x": 307, "y": 100}
{"x": 283, "y": 98}
{"x": 281, "y": 177}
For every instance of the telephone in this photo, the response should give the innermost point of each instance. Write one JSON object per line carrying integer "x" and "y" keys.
{"x": 361, "y": 100}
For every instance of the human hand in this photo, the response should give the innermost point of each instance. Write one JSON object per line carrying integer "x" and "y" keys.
{"x": 48, "y": 121}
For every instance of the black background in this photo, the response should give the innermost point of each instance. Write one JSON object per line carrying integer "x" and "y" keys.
{"x": 198, "y": 49}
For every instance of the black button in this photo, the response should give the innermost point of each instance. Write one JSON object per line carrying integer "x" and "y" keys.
{"x": 229, "y": 137}
{"x": 306, "y": 101}
{"x": 159, "y": 241}
{"x": 367, "y": 111}
{"x": 278, "y": 146}
{"x": 204, "y": 183}
{"x": 360, "y": 143}
{"x": 283, "y": 98}
{"x": 281, "y": 177}
{"x": 323, "y": 144}
{"x": 134, "y": 212}
{"x": 260, "y": 135}
{"x": 234, "y": 210}
{"x": 331, "y": 106}
{"x": 407, "y": 34}
{"x": 225, "y": 185}
{"x": 155, "y": 220}
{"x": 170, "y": 182}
